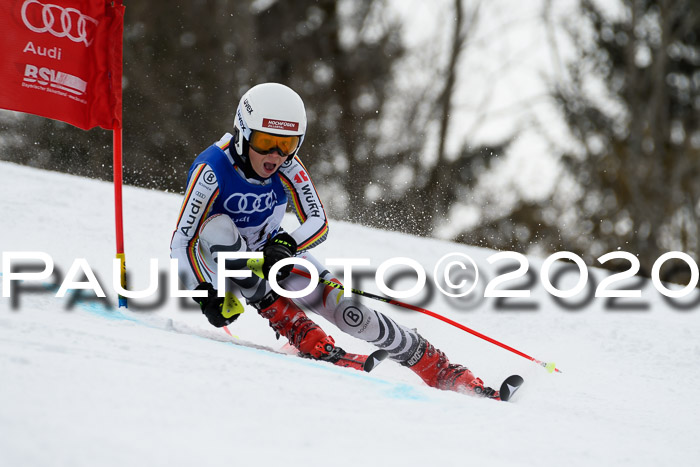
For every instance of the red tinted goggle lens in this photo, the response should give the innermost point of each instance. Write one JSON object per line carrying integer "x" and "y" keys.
{"x": 265, "y": 143}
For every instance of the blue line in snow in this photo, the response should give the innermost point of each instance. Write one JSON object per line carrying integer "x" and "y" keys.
{"x": 391, "y": 389}
{"x": 100, "y": 309}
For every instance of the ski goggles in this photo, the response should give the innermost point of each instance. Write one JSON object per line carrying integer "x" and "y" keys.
{"x": 265, "y": 143}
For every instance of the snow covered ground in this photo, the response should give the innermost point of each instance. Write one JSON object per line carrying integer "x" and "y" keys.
{"x": 156, "y": 385}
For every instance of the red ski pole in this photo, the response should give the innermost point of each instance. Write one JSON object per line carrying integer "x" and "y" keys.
{"x": 551, "y": 367}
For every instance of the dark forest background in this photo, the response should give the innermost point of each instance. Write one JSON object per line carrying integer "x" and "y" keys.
{"x": 379, "y": 156}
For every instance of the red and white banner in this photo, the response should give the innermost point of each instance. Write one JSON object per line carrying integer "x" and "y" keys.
{"x": 62, "y": 59}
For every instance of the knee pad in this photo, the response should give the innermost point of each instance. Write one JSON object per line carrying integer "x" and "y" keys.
{"x": 218, "y": 233}
{"x": 219, "y": 229}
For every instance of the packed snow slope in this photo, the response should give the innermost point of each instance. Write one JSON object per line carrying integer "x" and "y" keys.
{"x": 85, "y": 384}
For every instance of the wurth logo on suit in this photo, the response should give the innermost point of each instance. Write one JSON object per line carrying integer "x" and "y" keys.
{"x": 310, "y": 198}
{"x": 308, "y": 193}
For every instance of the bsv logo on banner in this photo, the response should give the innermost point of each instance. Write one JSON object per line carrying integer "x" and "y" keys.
{"x": 59, "y": 21}
{"x": 249, "y": 203}
{"x": 56, "y": 79}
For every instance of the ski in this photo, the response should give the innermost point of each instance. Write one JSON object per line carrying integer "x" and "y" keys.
{"x": 374, "y": 359}
{"x": 340, "y": 357}
{"x": 509, "y": 386}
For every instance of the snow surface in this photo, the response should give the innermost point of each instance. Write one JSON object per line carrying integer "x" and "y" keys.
{"x": 90, "y": 385}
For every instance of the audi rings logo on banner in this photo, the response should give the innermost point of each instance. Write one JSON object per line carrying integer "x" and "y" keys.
{"x": 250, "y": 203}
{"x": 59, "y": 21}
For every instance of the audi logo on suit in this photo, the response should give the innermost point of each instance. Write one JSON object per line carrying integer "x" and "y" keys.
{"x": 250, "y": 203}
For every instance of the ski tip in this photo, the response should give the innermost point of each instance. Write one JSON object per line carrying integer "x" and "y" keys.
{"x": 374, "y": 359}
{"x": 510, "y": 386}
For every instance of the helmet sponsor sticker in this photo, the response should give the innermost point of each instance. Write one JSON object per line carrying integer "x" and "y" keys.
{"x": 280, "y": 124}
{"x": 247, "y": 106}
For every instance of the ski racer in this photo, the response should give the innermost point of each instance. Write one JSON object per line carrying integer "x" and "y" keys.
{"x": 236, "y": 196}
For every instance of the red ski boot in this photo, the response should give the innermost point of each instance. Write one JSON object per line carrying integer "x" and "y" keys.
{"x": 290, "y": 321}
{"x": 435, "y": 369}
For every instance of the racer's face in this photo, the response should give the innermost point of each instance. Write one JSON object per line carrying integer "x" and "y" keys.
{"x": 265, "y": 165}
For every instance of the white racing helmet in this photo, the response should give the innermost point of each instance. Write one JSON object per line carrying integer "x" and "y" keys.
{"x": 270, "y": 108}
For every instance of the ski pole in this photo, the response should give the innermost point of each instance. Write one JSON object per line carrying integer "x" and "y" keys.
{"x": 550, "y": 367}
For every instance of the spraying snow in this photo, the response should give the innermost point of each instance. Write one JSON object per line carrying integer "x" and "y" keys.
{"x": 82, "y": 383}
